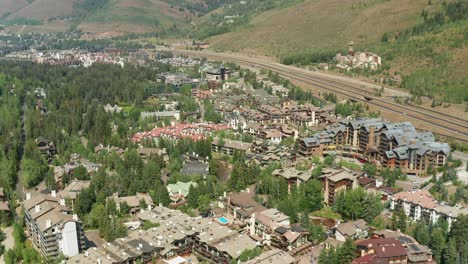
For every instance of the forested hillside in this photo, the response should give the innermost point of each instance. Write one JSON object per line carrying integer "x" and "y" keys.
{"x": 431, "y": 56}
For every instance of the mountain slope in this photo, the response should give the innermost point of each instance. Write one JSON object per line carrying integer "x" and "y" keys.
{"x": 43, "y": 10}
{"x": 316, "y": 24}
{"x": 136, "y": 16}
{"x": 97, "y": 16}
{"x": 11, "y": 6}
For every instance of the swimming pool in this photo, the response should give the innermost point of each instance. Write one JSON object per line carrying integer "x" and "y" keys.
{"x": 223, "y": 220}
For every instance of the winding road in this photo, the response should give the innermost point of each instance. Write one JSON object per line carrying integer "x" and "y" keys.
{"x": 443, "y": 124}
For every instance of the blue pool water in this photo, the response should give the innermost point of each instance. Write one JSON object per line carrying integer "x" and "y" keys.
{"x": 223, "y": 220}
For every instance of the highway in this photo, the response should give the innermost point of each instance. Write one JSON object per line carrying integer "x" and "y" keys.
{"x": 446, "y": 125}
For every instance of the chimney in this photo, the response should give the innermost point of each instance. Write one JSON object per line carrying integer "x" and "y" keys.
{"x": 62, "y": 202}
{"x": 28, "y": 196}
{"x": 75, "y": 217}
{"x": 37, "y": 208}
{"x": 99, "y": 260}
{"x": 86, "y": 253}
{"x": 53, "y": 193}
{"x": 140, "y": 245}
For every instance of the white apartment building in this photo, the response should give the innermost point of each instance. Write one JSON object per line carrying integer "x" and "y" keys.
{"x": 50, "y": 227}
{"x": 421, "y": 206}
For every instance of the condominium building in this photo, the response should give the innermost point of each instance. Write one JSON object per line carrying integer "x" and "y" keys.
{"x": 336, "y": 181}
{"x": 421, "y": 206}
{"x": 51, "y": 227}
{"x": 392, "y": 145}
{"x": 177, "y": 235}
{"x": 273, "y": 228}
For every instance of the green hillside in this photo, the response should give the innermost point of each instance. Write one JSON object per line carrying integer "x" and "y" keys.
{"x": 320, "y": 24}
{"x": 175, "y": 17}
{"x": 430, "y": 56}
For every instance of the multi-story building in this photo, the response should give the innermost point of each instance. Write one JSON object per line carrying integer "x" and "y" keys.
{"x": 274, "y": 228}
{"x": 392, "y": 145}
{"x": 355, "y": 230}
{"x": 421, "y": 206}
{"x": 228, "y": 147}
{"x": 381, "y": 250}
{"x": 241, "y": 206}
{"x": 135, "y": 203}
{"x": 336, "y": 181}
{"x": 51, "y": 227}
{"x": 293, "y": 176}
{"x": 416, "y": 252}
{"x": 274, "y": 256}
{"x": 177, "y": 235}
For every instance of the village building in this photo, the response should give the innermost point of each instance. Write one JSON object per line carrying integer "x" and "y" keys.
{"x": 72, "y": 190}
{"x": 421, "y": 206}
{"x": 146, "y": 153}
{"x": 392, "y": 145}
{"x": 177, "y": 79}
{"x": 293, "y": 176}
{"x": 218, "y": 74}
{"x": 274, "y": 256}
{"x": 241, "y": 206}
{"x": 135, "y": 203}
{"x": 416, "y": 252}
{"x": 178, "y": 234}
{"x": 273, "y": 228}
{"x": 229, "y": 147}
{"x": 173, "y": 114}
{"x": 179, "y": 191}
{"x": 112, "y": 109}
{"x": 195, "y": 168}
{"x": 381, "y": 250}
{"x": 46, "y": 148}
{"x": 51, "y": 227}
{"x": 355, "y": 230}
{"x": 194, "y": 131}
{"x": 357, "y": 59}
{"x": 336, "y": 181}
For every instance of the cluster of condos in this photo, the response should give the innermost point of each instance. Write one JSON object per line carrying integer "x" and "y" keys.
{"x": 218, "y": 239}
{"x": 391, "y": 145}
{"x": 240, "y": 225}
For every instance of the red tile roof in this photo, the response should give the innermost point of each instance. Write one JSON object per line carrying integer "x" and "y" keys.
{"x": 193, "y": 131}
{"x": 367, "y": 259}
{"x": 363, "y": 181}
{"x": 384, "y": 247}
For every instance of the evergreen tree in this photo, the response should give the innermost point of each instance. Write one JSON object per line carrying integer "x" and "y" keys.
{"x": 437, "y": 244}
{"x": 312, "y": 196}
{"x": 421, "y": 233}
{"x": 80, "y": 173}
{"x": 458, "y": 232}
{"x": 192, "y": 197}
{"x": 450, "y": 254}
{"x": 84, "y": 201}
{"x": 401, "y": 224}
{"x": 347, "y": 252}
